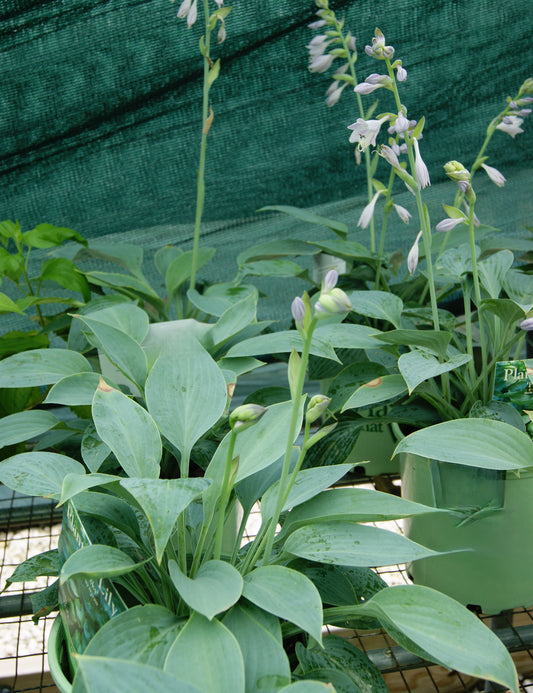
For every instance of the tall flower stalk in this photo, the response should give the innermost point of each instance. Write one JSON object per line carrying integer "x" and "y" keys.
{"x": 211, "y": 69}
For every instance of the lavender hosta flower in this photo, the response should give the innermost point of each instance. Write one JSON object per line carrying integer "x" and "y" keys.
{"x": 364, "y": 132}
{"x": 390, "y": 155}
{"x": 298, "y": 311}
{"x": 448, "y": 224}
{"x": 511, "y": 125}
{"x": 412, "y": 258}
{"x": 189, "y": 9}
{"x": 401, "y": 124}
{"x": 373, "y": 82}
{"x": 401, "y": 73}
{"x": 527, "y": 324}
{"x": 320, "y": 63}
{"x": 318, "y": 24}
{"x": 495, "y": 175}
{"x": 378, "y": 49}
{"x": 403, "y": 213}
{"x": 368, "y": 211}
{"x": 421, "y": 171}
{"x": 334, "y": 93}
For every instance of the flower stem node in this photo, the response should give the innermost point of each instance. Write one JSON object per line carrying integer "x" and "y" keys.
{"x": 316, "y": 407}
{"x": 245, "y": 416}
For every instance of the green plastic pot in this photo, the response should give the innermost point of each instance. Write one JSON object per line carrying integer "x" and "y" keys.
{"x": 58, "y": 660}
{"x": 491, "y": 530}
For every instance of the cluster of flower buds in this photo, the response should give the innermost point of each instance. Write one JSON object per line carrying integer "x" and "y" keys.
{"x": 325, "y": 47}
{"x": 461, "y": 175}
{"x": 331, "y": 301}
{"x": 511, "y": 122}
{"x": 316, "y": 406}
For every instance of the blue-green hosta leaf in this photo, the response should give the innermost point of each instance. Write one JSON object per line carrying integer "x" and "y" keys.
{"x": 93, "y": 450}
{"x": 126, "y": 317}
{"x": 472, "y": 442}
{"x": 185, "y": 392}
{"x": 351, "y": 544}
{"x": 125, "y": 255}
{"x": 308, "y": 483}
{"x": 492, "y": 271}
{"x": 266, "y": 665}
{"x": 280, "y": 343}
{"x": 74, "y": 390}
{"x": 38, "y": 473}
{"x": 271, "y": 250}
{"x": 506, "y": 310}
{"x": 162, "y": 501}
{"x": 288, "y": 594}
{"x": 519, "y": 287}
{"x": 434, "y": 341}
{"x": 111, "y": 509}
{"x": 417, "y": 366}
{"x": 97, "y": 561}
{"x": 307, "y": 687}
{"x": 124, "y": 351}
{"x": 129, "y": 430}
{"x": 348, "y": 336}
{"x": 379, "y": 390}
{"x": 43, "y": 564}
{"x": 353, "y": 504}
{"x": 75, "y": 483}
{"x": 234, "y": 319}
{"x": 180, "y": 269}
{"x": 381, "y": 305}
{"x": 141, "y": 634}
{"x": 207, "y": 655}
{"x": 41, "y": 367}
{"x": 440, "y": 629}
{"x": 339, "y": 655}
{"x": 24, "y": 425}
{"x": 215, "y": 588}
{"x": 97, "y": 674}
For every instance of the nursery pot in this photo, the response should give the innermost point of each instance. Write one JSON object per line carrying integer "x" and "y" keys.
{"x": 58, "y": 660}
{"x": 491, "y": 528}
{"x": 374, "y": 447}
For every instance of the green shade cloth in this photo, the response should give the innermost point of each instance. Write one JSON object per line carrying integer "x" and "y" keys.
{"x": 100, "y": 116}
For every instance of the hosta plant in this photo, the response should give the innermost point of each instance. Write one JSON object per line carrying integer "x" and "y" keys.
{"x": 186, "y": 604}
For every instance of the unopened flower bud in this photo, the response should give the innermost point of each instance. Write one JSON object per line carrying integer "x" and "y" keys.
{"x": 412, "y": 258}
{"x": 330, "y": 280}
{"x": 527, "y": 324}
{"x": 527, "y": 86}
{"x": 456, "y": 171}
{"x": 401, "y": 74}
{"x": 298, "y": 311}
{"x": 245, "y": 416}
{"x": 333, "y": 302}
{"x": 316, "y": 407}
{"x": 495, "y": 175}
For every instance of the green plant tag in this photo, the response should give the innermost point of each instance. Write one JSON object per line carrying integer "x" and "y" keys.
{"x": 513, "y": 383}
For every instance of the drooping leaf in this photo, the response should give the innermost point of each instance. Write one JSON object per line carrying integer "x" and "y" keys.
{"x": 97, "y": 561}
{"x": 306, "y": 215}
{"x": 351, "y": 544}
{"x": 472, "y": 442}
{"x": 348, "y": 336}
{"x": 75, "y": 483}
{"x": 215, "y": 588}
{"x": 207, "y": 655}
{"x": 129, "y": 430}
{"x": 433, "y": 341}
{"x": 162, "y": 501}
{"x": 440, "y": 629}
{"x": 43, "y": 564}
{"x": 288, "y": 594}
{"x": 280, "y": 343}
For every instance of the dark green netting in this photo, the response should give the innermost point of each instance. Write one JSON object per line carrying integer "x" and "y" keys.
{"x": 100, "y": 116}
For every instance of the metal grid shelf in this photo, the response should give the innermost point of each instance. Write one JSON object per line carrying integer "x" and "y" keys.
{"x": 27, "y": 528}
